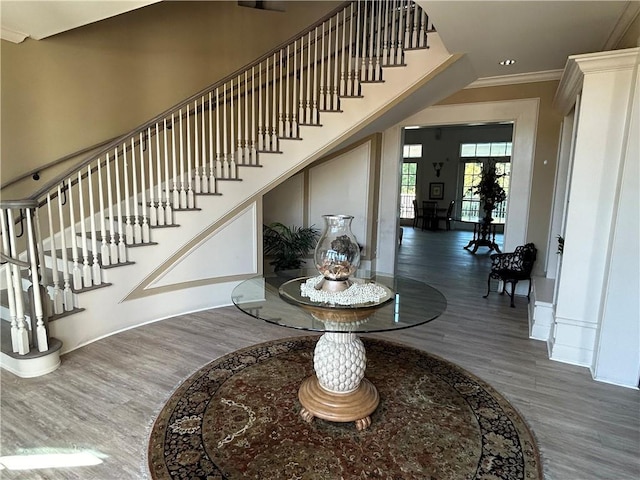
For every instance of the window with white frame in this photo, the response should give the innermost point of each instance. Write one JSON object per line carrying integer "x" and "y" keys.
{"x": 474, "y": 157}
{"x": 409, "y": 179}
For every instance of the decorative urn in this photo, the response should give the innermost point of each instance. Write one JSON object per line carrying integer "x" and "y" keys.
{"x": 337, "y": 254}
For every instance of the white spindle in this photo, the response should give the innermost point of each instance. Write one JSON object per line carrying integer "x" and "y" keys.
{"x": 336, "y": 68}
{"x": 153, "y": 213}
{"x": 143, "y": 190}
{"x": 104, "y": 245}
{"x": 377, "y": 37}
{"x": 168, "y": 209}
{"x": 196, "y": 152}
{"x": 58, "y": 301}
{"x": 315, "y": 118}
{"x": 203, "y": 152}
{"x": 15, "y": 337}
{"x": 128, "y": 228}
{"x": 238, "y": 111}
{"x": 137, "y": 228}
{"x": 86, "y": 269}
{"x": 281, "y": 99}
{"x": 22, "y": 333}
{"x": 212, "y": 166}
{"x": 307, "y": 113}
{"x": 274, "y": 124}
{"x": 174, "y": 163}
{"x": 219, "y": 166}
{"x": 113, "y": 246}
{"x": 287, "y": 132}
{"x": 232, "y": 160}
{"x": 95, "y": 265}
{"x": 261, "y": 132}
{"x": 224, "y": 132}
{"x": 41, "y": 332}
{"x": 77, "y": 274}
{"x": 350, "y": 56}
{"x": 160, "y": 208}
{"x": 253, "y": 149}
{"x": 67, "y": 295}
{"x": 122, "y": 250}
{"x": 294, "y": 96}
{"x": 190, "y": 197}
{"x": 246, "y": 152}
{"x": 183, "y": 191}
{"x": 323, "y": 83}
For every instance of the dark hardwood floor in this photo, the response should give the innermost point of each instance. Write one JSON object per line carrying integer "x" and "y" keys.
{"x": 105, "y": 396}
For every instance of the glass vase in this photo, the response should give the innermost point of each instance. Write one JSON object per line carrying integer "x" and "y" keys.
{"x": 337, "y": 254}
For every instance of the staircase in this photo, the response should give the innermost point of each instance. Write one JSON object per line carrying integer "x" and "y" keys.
{"x": 109, "y": 240}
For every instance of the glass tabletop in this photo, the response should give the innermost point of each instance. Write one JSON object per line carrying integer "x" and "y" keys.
{"x": 276, "y": 298}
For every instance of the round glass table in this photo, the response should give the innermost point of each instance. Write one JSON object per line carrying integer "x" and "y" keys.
{"x": 338, "y": 391}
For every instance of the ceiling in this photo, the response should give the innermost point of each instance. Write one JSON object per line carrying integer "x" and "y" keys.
{"x": 539, "y": 35}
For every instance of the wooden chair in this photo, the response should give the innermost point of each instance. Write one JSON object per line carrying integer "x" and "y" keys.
{"x": 417, "y": 214}
{"x": 429, "y": 212}
{"x": 448, "y": 217}
{"x": 512, "y": 267}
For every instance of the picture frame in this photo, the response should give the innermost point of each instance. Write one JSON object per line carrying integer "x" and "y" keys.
{"x": 436, "y": 191}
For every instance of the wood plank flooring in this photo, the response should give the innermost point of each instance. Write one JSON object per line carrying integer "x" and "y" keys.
{"x": 105, "y": 396}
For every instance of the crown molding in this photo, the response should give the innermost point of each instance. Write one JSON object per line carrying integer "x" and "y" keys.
{"x": 12, "y": 35}
{"x": 531, "y": 77}
{"x": 580, "y": 65}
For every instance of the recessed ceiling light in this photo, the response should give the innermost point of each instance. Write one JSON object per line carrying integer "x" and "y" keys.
{"x": 507, "y": 62}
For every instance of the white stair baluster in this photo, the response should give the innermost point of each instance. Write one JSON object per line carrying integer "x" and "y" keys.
{"x": 174, "y": 164}
{"x": 203, "y": 152}
{"x": 86, "y": 268}
{"x": 67, "y": 294}
{"x": 104, "y": 246}
{"x": 153, "y": 213}
{"x": 183, "y": 191}
{"x": 113, "y": 246}
{"x": 219, "y": 166}
{"x": 77, "y": 274}
{"x": 15, "y": 336}
{"x": 137, "y": 228}
{"x": 158, "y": 165}
{"x": 143, "y": 189}
{"x": 315, "y": 117}
{"x": 168, "y": 210}
{"x": 197, "y": 179}
{"x": 58, "y": 303}
{"x": 128, "y": 227}
{"x": 95, "y": 266}
{"x": 274, "y": 94}
{"x": 190, "y": 197}
{"x": 122, "y": 250}
{"x": 22, "y": 333}
{"x": 41, "y": 332}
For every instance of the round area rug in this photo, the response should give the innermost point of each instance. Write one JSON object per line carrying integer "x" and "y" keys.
{"x": 238, "y": 417}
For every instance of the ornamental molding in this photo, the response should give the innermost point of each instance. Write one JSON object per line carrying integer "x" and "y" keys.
{"x": 580, "y": 65}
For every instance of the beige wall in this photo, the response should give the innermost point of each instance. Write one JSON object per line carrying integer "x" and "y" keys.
{"x": 546, "y": 146}
{"x": 81, "y": 87}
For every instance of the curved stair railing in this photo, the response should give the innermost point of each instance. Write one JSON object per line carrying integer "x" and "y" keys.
{"x": 85, "y": 219}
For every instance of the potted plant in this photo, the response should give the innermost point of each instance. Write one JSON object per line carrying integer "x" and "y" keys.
{"x": 288, "y": 245}
{"x": 490, "y": 191}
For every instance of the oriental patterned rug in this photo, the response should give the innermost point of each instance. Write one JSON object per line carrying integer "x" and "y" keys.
{"x": 238, "y": 417}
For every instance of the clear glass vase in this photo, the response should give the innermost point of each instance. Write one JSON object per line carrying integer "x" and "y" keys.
{"x": 337, "y": 254}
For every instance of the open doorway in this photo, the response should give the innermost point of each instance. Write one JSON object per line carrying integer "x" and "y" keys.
{"x": 443, "y": 165}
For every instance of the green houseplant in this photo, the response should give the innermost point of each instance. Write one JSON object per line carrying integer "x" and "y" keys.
{"x": 489, "y": 190}
{"x": 288, "y": 245}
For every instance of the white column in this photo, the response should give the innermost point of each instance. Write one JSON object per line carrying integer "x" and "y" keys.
{"x": 593, "y": 223}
